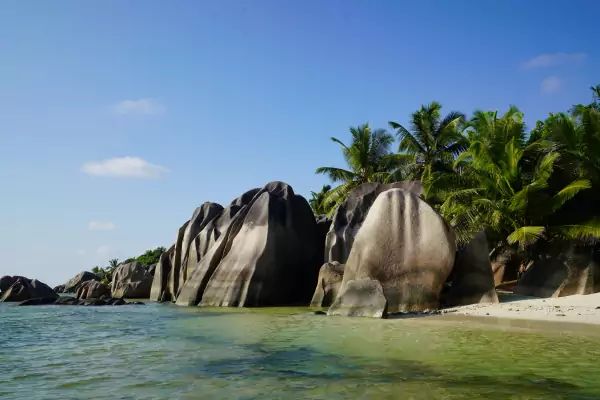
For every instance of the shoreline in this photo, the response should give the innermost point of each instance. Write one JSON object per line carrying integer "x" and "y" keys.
{"x": 582, "y": 309}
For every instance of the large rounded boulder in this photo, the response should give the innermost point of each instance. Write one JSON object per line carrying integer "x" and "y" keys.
{"x": 23, "y": 289}
{"x": 350, "y": 215}
{"x": 405, "y": 246}
{"x": 131, "y": 280}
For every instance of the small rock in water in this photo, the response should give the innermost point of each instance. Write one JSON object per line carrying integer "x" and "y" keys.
{"x": 560, "y": 315}
{"x": 319, "y": 312}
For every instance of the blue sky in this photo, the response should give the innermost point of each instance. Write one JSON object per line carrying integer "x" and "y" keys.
{"x": 118, "y": 118}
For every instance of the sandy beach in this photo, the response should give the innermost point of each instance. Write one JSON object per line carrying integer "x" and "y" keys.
{"x": 577, "y": 308}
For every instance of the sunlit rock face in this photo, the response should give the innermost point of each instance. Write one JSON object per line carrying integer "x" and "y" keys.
{"x": 405, "y": 246}
{"x": 352, "y": 212}
{"x": 328, "y": 284}
{"x": 472, "y": 278}
{"x": 562, "y": 271}
{"x": 263, "y": 249}
{"x": 92, "y": 290}
{"x": 131, "y": 280}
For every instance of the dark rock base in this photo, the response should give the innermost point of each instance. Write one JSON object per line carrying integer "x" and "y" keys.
{"x": 72, "y": 301}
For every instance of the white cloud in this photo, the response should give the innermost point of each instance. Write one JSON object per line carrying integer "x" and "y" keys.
{"x": 145, "y": 106}
{"x": 124, "y": 167}
{"x": 551, "y": 84}
{"x": 103, "y": 250}
{"x": 554, "y": 59}
{"x": 101, "y": 226}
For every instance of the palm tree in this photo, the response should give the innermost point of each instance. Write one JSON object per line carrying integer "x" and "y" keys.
{"x": 113, "y": 263}
{"x": 434, "y": 142}
{"x": 505, "y": 184}
{"x": 317, "y": 201}
{"x": 369, "y": 159}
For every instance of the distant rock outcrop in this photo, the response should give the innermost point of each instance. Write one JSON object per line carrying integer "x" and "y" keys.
{"x": 405, "y": 246}
{"x": 74, "y": 283}
{"x": 92, "y": 289}
{"x": 22, "y": 289}
{"x": 352, "y": 212}
{"x": 131, "y": 280}
{"x": 472, "y": 279}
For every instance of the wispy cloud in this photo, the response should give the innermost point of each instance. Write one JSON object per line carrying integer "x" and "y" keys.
{"x": 124, "y": 167}
{"x": 101, "y": 226}
{"x": 145, "y": 106}
{"x": 553, "y": 60}
{"x": 551, "y": 84}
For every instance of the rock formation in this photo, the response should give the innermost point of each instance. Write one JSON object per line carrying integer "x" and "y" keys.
{"x": 74, "y": 283}
{"x": 352, "y": 212}
{"x": 131, "y": 280}
{"x": 360, "y": 298}
{"x": 562, "y": 272}
{"x": 263, "y": 249}
{"x": 269, "y": 255}
{"x": 472, "y": 279}
{"x": 328, "y": 284}
{"x": 405, "y": 246}
{"x": 92, "y": 289}
{"x": 22, "y": 289}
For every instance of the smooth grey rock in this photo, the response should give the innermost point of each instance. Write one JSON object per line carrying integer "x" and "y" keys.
{"x": 160, "y": 290}
{"x": 73, "y": 284}
{"x": 352, "y": 212}
{"x": 92, "y": 289}
{"x": 406, "y": 246}
{"x": 360, "y": 298}
{"x": 472, "y": 279}
{"x": 131, "y": 280}
{"x": 328, "y": 284}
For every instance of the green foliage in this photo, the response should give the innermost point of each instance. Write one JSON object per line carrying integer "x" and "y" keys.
{"x": 369, "y": 159}
{"x": 150, "y": 256}
{"x": 487, "y": 172}
{"x": 317, "y": 201}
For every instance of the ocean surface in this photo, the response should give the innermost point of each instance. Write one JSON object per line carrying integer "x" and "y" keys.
{"x": 161, "y": 351}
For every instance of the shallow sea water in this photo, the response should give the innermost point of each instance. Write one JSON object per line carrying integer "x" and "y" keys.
{"x": 161, "y": 351}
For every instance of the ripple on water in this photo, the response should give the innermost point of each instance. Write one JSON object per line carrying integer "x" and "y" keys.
{"x": 167, "y": 352}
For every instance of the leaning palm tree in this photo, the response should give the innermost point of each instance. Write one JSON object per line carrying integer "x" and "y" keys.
{"x": 369, "y": 159}
{"x": 432, "y": 140}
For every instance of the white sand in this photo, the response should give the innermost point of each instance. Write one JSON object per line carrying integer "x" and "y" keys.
{"x": 577, "y": 308}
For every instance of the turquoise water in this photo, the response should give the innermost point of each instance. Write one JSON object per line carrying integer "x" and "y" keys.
{"x": 168, "y": 352}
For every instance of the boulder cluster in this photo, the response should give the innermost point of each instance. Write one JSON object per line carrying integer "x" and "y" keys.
{"x": 388, "y": 251}
{"x": 263, "y": 249}
{"x": 385, "y": 251}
